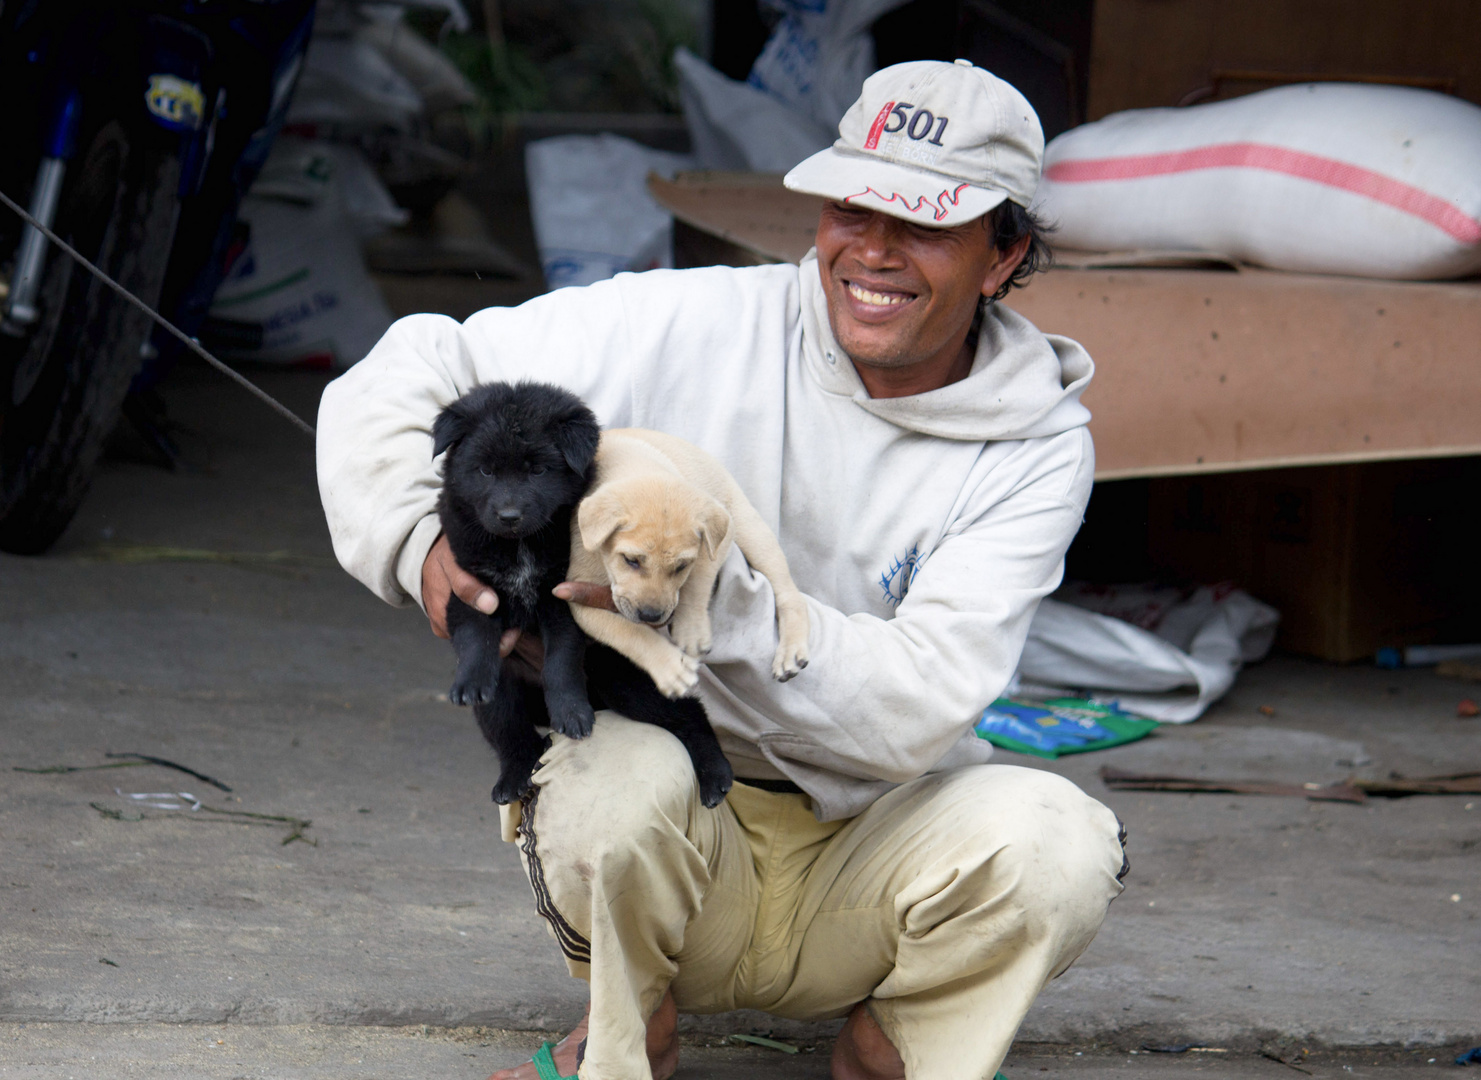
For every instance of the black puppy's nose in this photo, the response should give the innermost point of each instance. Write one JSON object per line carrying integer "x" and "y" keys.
{"x": 651, "y": 616}
{"x": 510, "y": 517}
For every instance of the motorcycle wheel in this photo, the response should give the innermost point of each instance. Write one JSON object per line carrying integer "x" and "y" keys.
{"x": 63, "y": 390}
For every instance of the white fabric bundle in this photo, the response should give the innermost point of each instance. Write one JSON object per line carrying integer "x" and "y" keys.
{"x": 1333, "y": 178}
{"x": 1158, "y": 651}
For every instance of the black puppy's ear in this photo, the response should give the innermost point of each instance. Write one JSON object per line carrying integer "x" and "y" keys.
{"x": 449, "y": 428}
{"x": 576, "y": 436}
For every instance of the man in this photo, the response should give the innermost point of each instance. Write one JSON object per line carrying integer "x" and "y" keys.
{"x": 922, "y": 455}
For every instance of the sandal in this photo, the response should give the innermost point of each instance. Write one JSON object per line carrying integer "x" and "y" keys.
{"x": 544, "y": 1062}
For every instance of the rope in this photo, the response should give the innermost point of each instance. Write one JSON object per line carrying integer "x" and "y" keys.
{"x": 189, "y": 342}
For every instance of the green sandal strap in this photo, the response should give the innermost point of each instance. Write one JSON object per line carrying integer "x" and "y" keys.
{"x": 544, "y": 1062}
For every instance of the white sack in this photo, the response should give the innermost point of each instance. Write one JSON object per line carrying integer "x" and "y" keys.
{"x": 818, "y": 56}
{"x": 591, "y": 209}
{"x": 808, "y": 74}
{"x": 434, "y": 77}
{"x": 734, "y": 126}
{"x": 1159, "y": 652}
{"x": 457, "y": 16}
{"x": 1336, "y": 178}
{"x": 302, "y": 277}
{"x": 308, "y": 171}
{"x": 347, "y": 81}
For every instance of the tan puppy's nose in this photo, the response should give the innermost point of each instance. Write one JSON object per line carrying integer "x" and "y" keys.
{"x": 652, "y": 616}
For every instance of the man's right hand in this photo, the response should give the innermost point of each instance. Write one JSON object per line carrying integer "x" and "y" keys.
{"x": 442, "y": 578}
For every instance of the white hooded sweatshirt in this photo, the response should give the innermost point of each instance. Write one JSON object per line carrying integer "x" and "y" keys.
{"x": 924, "y": 530}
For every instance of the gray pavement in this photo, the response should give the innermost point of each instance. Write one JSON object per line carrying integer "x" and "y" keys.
{"x": 162, "y": 625}
{"x": 312, "y": 1052}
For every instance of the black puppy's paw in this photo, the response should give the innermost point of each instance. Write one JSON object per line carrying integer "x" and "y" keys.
{"x": 715, "y": 780}
{"x": 572, "y": 717}
{"x": 474, "y": 684}
{"x": 512, "y": 786}
{"x": 471, "y": 693}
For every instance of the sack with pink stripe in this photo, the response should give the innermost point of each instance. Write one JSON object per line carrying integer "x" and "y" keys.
{"x": 1330, "y": 178}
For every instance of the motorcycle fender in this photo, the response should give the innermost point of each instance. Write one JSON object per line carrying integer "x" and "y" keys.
{"x": 177, "y": 93}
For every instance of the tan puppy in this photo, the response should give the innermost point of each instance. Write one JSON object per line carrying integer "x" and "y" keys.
{"x": 656, "y": 525}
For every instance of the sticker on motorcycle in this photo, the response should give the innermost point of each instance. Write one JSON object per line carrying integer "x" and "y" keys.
{"x": 175, "y": 103}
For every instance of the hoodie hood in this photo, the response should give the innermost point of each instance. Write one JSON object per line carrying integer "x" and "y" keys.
{"x": 1024, "y": 384}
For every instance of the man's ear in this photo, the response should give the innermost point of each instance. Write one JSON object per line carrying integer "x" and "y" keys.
{"x": 1003, "y": 269}
{"x": 449, "y": 427}
{"x": 577, "y": 436}
{"x": 599, "y": 516}
{"x": 714, "y": 527}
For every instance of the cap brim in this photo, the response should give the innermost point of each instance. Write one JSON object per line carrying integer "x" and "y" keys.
{"x": 902, "y": 191}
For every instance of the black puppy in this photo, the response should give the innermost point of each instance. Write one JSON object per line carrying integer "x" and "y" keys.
{"x": 519, "y": 459}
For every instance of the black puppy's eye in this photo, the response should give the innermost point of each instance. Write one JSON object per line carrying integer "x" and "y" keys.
{"x": 485, "y": 470}
{"x": 536, "y": 470}
{"x": 636, "y": 564}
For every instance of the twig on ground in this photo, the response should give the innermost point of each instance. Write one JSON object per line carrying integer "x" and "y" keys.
{"x": 1283, "y": 1061}
{"x": 134, "y": 761}
{"x": 168, "y": 764}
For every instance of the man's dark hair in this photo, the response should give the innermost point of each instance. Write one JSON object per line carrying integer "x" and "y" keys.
{"x": 1009, "y": 223}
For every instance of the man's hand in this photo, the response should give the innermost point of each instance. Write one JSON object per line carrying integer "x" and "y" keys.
{"x": 586, "y": 594}
{"x": 442, "y": 578}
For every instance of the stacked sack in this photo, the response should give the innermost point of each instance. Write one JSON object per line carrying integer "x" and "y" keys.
{"x": 1331, "y": 178}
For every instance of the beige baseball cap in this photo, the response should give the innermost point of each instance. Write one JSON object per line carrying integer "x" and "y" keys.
{"x": 930, "y": 142}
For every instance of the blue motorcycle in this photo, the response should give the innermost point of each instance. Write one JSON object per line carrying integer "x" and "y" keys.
{"x": 131, "y": 129}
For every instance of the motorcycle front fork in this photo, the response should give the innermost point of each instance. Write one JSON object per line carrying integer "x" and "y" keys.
{"x": 30, "y": 260}
{"x": 21, "y": 311}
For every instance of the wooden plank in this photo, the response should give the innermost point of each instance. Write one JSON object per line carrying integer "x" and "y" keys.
{"x": 1202, "y": 371}
{"x": 751, "y": 210}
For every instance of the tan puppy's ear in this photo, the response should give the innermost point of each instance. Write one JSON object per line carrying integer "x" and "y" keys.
{"x": 714, "y": 526}
{"x": 599, "y": 516}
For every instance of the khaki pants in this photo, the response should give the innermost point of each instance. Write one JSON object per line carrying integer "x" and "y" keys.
{"x": 949, "y": 903}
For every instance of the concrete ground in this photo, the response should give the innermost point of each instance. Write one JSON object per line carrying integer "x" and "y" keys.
{"x": 199, "y": 616}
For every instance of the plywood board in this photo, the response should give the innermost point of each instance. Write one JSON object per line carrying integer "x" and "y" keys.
{"x": 1200, "y": 371}
{"x": 751, "y": 210}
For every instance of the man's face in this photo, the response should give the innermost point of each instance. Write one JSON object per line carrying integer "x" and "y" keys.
{"x": 900, "y": 294}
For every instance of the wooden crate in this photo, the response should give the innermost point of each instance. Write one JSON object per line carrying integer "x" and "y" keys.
{"x": 1151, "y": 53}
{"x": 1356, "y": 557}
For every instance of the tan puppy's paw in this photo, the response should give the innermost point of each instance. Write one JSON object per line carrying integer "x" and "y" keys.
{"x": 789, "y": 662}
{"x": 691, "y": 632}
{"x": 673, "y": 672}
{"x": 791, "y": 653}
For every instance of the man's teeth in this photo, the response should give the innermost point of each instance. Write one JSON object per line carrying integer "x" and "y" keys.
{"x": 877, "y": 299}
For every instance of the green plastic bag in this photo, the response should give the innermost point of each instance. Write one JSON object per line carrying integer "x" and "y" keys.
{"x": 1058, "y": 726}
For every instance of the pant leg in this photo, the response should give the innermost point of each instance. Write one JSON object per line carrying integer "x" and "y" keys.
{"x": 950, "y": 902}
{"x": 622, "y": 857}
{"x": 965, "y": 892}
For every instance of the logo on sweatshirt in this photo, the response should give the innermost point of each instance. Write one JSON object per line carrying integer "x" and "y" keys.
{"x": 896, "y": 580}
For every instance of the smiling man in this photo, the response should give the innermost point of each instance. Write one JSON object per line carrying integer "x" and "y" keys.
{"x": 921, "y": 452}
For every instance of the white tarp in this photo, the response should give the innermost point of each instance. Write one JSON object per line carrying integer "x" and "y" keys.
{"x": 1157, "y": 651}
